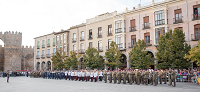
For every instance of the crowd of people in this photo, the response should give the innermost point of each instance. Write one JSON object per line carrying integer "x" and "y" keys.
{"x": 137, "y": 76}
{"x": 130, "y": 76}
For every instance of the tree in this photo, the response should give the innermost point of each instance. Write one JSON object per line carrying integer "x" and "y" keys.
{"x": 172, "y": 49}
{"x": 194, "y": 55}
{"x": 139, "y": 57}
{"x": 71, "y": 61}
{"x": 113, "y": 56}
{"x": 92, "y": 58}
{"x": 57, "y": 61}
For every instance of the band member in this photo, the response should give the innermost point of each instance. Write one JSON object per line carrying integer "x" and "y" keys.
{"x": 76, "y": 75}
{"x": 95, "y": 76}
{"x": 100, "y": 75}
{"x": 87, "y": 75}
{"x": 69, "y": 73}
{"x": 91, "y": 76}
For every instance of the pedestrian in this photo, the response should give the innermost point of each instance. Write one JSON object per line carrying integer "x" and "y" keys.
{"x": 8, "y": 75}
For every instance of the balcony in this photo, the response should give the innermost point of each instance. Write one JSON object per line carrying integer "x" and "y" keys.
{"x": 81, "y": 38}
{"x": 146, "y": 26}
{"x": 178, "y": 20}
{"x": 99, "y": 35}
{"x": 43, "y": 46}
{"x": 90, "y": 37}
{"x": 120, "y": 45}
{"x": 53, "y": 54}
{"x": 159, "y": 22}
{"x": 132, "y": 29}
{"x": 81, "y": 51}
{"x": 73, "y": 40}
{"x": 109, "y": 34}
{"x": 48, "y": 45}
{"x": 119, "y": 30}
{"x": 48, "y": 55}
{"x": 100, "y": 49}
{"x": 130, "y": 45}
{"x": 195, "y": 37}
{"x": 38, "y": 47}
{"x": 37, "y": 56}
{"x": 42, "y": 56}
{"x": 148, "y": 42}
{"x": 195, "y": 17}
{"x": 54, "y": 44}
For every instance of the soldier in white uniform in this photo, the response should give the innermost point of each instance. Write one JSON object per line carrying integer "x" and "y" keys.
{"x": 87, "y": 75}
{"x": 69, "y": 74}
{"x": 72, "y": 74}
{"x": 83, "y": 75}
{"x": 100, "y": 75}
{"x": 91, "y": 76}
{"x": 79, "y": 75}
{"x": 66, "y": 73}
{"x": 76, "y": 75}
{"x": 95, "y": 76}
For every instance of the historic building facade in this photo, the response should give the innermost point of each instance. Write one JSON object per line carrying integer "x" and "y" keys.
{"x": 14, "y": 56}
{"x": 147, "y": 23}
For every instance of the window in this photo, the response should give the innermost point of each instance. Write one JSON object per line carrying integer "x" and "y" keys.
{"x": 178, "y": 16}
{"x": 57, "y": 48}
{"x": 90, "y": 44}
{"x": 109, "y": 30}
{"x": 133, "y": 40}
{"x": 159, "y": 18}
{"x": 61, "y": 38}
{"x": 196, "y": 12}
{"x": 48, "y": 44}
{"x": 38, "y": 44}
{"x": 57, "y": 39}
{"x": 43, "y": 43}
{"x": 54, "y": 41}
{"x": 109, "y": 42}
{"x": 74, "y": 47}
{"x": 54, "y": 51}
{"x": 99, "y": 32}
{"x": 48, "y": 55}
{"x": 64, "y": 49}
{"x": 82, "y": 36}
{"x": 118, "y": 26}
{"x": 38, "y": 54}
{"x": 147, "y": 38}
{"x": 159, "y": 32}
{"x": 43, "y": 53}
{"x": 82, "y": 47}
{"x": 90, "y": 34}
{"x": 132, "y": 25}
{"x": 146, "y": 22}
{"x": 197, "y": 31}
{"x": 119, "y": 41}
{"x": 100, "y": 46}
{"x": 64, "y": 36}
{"x": 74, "y": 38}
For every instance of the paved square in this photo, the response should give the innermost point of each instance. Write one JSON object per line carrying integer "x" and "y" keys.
{"x": 22, "y": 84}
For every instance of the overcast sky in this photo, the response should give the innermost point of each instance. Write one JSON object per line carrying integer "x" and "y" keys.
{"x": 39, "y": 17}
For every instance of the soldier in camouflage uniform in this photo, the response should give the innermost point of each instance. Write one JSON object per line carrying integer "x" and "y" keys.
{"x": 119, "y": 77}
{"x": 130, "y": 75}
{"x": 155, "y": 77}
{"x": 115, "y": 77}
{"x": 172, "y": 78}
{"x": 146, "y": 76}
{"x": 110, "y": 76}
{"x": 105, "y": 76}
{"x": 124, "y": 77}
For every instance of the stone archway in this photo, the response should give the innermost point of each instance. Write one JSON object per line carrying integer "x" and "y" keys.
{"x": 38, "y": 66}
{"x": 48, "y": 65}
{"x": 43, "y": 65}
{"x": 123, "y": 61}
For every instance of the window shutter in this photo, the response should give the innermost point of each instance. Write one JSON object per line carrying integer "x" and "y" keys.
{"x": 146, "y": 19}
{"x": 197, "y": 26}
{"x": 177, "y": 11}
{"x": 146, "y": 34}
{"x": 196, "y": 6}
{"x": 133, "y": 36}
{"x": 132, "y": 22}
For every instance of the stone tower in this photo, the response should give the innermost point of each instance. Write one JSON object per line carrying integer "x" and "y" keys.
{"x": 12, "y": 50}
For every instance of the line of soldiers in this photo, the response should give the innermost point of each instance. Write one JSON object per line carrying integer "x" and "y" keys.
{"x": 141, "y": 76}
{"x": 130, "y": 76}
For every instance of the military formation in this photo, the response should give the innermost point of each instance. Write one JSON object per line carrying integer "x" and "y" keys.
{"x": 137, "y": 76}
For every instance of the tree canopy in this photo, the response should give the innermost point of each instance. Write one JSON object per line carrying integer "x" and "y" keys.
{"x": 57, "y": 61}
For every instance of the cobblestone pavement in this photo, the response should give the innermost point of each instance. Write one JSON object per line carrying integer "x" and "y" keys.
{"x": 26, "y": 84}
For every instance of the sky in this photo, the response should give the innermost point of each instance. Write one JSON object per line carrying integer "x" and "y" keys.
{"x": 35, "y": 18}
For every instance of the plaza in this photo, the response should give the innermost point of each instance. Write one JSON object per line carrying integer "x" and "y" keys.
{"x": 19, "y": 84}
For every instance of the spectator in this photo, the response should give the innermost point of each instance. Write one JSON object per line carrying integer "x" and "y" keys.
{"x": 195, "y": 14}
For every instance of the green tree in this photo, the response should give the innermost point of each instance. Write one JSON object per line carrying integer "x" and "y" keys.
{"x": 71, "y": 61}
{"x": 194, "y": 55}
{"x": 57, "y": 61}
{"x": 139, "y": 57}
{"x": 172, "y": 49}
{"x": 92, "y": 58}
{"x": 113, "y": 56}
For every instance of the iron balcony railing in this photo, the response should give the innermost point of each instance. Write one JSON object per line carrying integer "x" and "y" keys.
{"x": 148, "y": 42}
{"x": 195, "y": 16}
{"x": 132, "y": 29}
{"x": 100, "y": 49}
{"x": 90, "y": 37}
{"x": 82, "y": 38}
{"x": 37, "y": 56}
{"x": 178, "y": 20}
{"x": 73, "y": 39}
{"x": 109, "y": 34}
{"x": 43, "y": 56}
{"x": 120, "y": 45}
{"x": 146, "y": 25}
{"x": 99, "y": 35}
{"x": 119, "y": 30}
{"x": 81, "y": 51}
{"x": 130, "y": 45}
{"x": 48, "y": 55}
{"x": 159, "y": 22}
{"x": 195, "y": 37}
